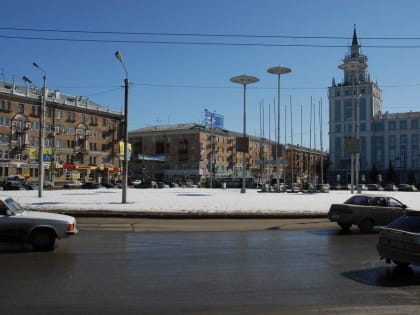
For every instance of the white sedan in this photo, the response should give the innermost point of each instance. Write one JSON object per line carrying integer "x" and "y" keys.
{"x": 40, "y": 229}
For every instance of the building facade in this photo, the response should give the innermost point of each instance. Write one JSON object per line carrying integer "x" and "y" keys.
{"x": 385, "y": 146}
{"x": 205, "y": 156}
{"x": 81, "y": 138}
{"x": 306, "y": 165}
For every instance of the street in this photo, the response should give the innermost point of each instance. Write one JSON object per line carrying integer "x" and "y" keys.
{"x": 269, "y": 269}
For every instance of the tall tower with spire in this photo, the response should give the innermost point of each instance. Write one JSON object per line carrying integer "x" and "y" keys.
{"x": 353, "y": 105}
{"x": 355, "y": 64}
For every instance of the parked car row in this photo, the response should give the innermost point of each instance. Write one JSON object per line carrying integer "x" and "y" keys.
{"x": 91, "y": 185}
{"x": 155, "y": 184}
{"x": 377, "y": 187}
{"x": 399, "y": 236}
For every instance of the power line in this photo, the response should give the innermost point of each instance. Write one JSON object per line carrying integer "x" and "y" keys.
{"x": 199, "y": 43}
{"x": 179, "y": 42}
{"x": 55, "y": 30}
{"x": 190, "y": 86}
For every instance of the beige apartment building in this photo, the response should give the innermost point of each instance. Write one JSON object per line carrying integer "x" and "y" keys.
{"x": 203, "y": 156}
{"x": 81, "y": 138}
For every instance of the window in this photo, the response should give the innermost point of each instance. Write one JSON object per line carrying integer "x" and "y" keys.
{"x": 338, "y": 128}
{"x": 392, "y": 125}
{"x": 348, "y": 110}
{"x": 58, "y": 113}
{"x": 35, "y": 124}
{"x": 414, "y": 124}
{"x": 403, "y": 124}
{"x": 20, "y": 125}
{"x": 21, "y": 108}
{"x": 93, "y": 120}
{"x": 337, "y": 110}
{"x": 392, "y": 147}
{"x": 378, "y": 126}
{"x": 34, "y": 110}
{"x": 415, "y": 150}
{"x": 362, "y": 108}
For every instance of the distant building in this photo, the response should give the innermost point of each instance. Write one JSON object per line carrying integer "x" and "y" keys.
{"x": 306, "y": 165}
{"x": 81, "y": 137}
{"x": 387, "y": 144}
{"x": 196, "y": 153}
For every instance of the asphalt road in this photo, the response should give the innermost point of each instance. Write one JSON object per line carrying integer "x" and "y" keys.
{"x": 261, "y": 268}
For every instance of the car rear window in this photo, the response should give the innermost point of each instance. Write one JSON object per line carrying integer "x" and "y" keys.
{"x": 409, "y": 222}
{"x": 357, "y": 200}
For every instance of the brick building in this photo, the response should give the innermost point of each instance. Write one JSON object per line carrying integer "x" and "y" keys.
{"x": 81, "y": 137}
{"x": 184, "y": 152}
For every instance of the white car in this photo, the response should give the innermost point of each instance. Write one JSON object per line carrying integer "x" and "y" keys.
{"x": 74, "y": 184}
{"x": 40, "y": 229}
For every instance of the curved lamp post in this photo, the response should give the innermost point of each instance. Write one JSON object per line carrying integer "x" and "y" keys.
{"x": 41, "y": 140}
{"x": 244, "y": 80}
{"x": 125, "y": 163}
{"x": 278, "y": 71}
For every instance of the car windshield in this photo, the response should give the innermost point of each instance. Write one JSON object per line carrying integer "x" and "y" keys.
{"x": 13, "y": 205}
{"x": 410, "y": 223}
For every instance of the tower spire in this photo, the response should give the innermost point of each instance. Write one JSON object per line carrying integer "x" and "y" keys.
{"x": 355, "y": 41}
{"x": 355, "y": 47}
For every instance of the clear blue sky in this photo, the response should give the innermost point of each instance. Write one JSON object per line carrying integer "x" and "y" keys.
{"x": 174, "y": 83}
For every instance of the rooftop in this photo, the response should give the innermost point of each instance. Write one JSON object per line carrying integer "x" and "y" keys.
{"x": 31, "y": 92}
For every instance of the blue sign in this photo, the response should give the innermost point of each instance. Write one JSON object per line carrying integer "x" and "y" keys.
{"x": 213, "y": 120}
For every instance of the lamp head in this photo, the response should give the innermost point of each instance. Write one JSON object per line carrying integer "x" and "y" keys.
{"x": 26, "y": 79}
{"x": 118, "y": 56}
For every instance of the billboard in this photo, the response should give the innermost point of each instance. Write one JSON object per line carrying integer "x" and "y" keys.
{"x": 214, "y": 118}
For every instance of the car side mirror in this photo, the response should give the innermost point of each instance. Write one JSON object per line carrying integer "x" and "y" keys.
{"x": 404, "y": 206}
{"x": 9, "y": 213}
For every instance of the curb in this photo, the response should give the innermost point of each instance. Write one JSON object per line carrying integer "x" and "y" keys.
{"x": 187, "y": 215}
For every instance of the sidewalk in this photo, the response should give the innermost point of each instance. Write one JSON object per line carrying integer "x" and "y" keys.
{"x": 188, "y": 202}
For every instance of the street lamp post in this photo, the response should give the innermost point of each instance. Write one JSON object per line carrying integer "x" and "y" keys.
{"x": 244, "y": 80}
{"x": 41, "y": 141}
{"x": 125, "y": 131}
{"x": 278, "y": 71}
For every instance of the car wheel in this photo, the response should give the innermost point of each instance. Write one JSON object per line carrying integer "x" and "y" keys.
{"x": 42, "y": 239}
{"x": 401, "y": 264}
{"x": 345, "y": 226}
{"x": 366, "y": 226}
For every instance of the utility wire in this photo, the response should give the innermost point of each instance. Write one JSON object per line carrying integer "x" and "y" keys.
{"x": 55, "y": 30}
{"x": 202, "y": 43}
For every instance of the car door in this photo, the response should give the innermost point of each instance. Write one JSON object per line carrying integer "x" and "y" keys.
{"x": 8, "y": 231}
{"x": 382, "y": 212}
{"x": 397, "y": 209}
